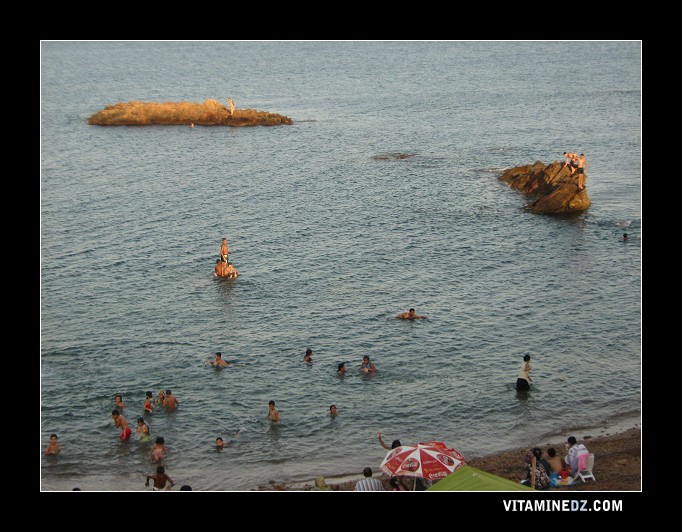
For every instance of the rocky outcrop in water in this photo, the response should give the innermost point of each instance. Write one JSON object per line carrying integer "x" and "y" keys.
{"x": 551, "y": 188}
{"x": 208, "y": 113}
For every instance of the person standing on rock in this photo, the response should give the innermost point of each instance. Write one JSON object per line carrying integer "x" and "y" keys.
{"x": 582, "y": 167}
{"x": 230, "y": 103}
{"x": 224, "y": 251}
{"x": 523, "y": 381}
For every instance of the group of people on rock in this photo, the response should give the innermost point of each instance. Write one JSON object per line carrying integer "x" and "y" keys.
{"x": 224, "y": 268}
{"x": 576, "y": 163}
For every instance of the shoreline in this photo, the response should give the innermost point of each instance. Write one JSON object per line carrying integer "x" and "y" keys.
{"x": 617, "y": 445}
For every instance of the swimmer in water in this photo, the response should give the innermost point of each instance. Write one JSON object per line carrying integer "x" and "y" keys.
{"x": 410, "y": 315}
{"x": 142, "y": 429}
{"x": 148, "y": 406}
{"x": 625, "y": 237}
{"x": 341, "y": 369}
{"x": 161, "y": 397}
{"x": 158, "y": 452}
{"x": 53, "y": 447}
{"x": 273, "y": 413}
{"x": 219, "y": 443}
{"x": 332, "y": 410}
{"x": 170, "y": 401}
{"x": 120, "y": 422}
{"x": 394, "y": 443}
{"x": 367, "y": 366}
{"x": 308, "y": 355}
{"x": 218, "y": 361}
{"x": 118, "y": 402}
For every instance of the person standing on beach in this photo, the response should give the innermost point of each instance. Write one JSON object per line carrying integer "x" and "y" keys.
{"x": 368, "y": 483}
{"x": 582, "y": 168}
{"x": 273, "y": 413}
{"x": 170, "y": 401}
{"x": 53, "y": 447}
{"x": 523, "y": 381}
{"x": 160, "y": 480}
{"x": 120, "y": 422}
{"x": 394, "y": 444}
{"x": 231, "y": 105}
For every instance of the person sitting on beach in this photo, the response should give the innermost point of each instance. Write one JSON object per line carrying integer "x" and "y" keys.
{"x": 574, "y": 450}
{"x": 523, "y": 381}
{"x": 218, "y": 361}
{"x": 160, "y": 480}
{"x": 120, "y": 422}
{"x": 53, "y": 447}
{"x": 308, "y": 357}
{"x": 368, "y": 483}
{"x": 142, "y": 429}
{"x": 158, "y": 452}
{"x": 541, "y": 476}
{"x": 170, "y": 402}
{"x": 394, "y": 444}
{"x": 341, "y": 369}
{"x": 397, "y": 484}
{"x": 118, "y": 403}
{"x": 332, "y": 410}
{"x": 410, "y": 315}
{"x": 367, "y": 366}
{"x": 148, "y": 406}
{"x": 273, "y": 413}
{"x": 555, "y": 463}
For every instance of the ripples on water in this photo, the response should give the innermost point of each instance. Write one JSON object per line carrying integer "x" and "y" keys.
{"x": 330, "y": 244}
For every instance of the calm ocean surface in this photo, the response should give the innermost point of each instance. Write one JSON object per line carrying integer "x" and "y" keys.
{"x": 330, "y": 244}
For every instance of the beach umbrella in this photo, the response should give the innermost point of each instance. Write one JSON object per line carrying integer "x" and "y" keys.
{"x": 430, "y": 460}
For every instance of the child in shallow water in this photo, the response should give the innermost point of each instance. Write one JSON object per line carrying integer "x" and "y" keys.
{"x": 142, "y": 429}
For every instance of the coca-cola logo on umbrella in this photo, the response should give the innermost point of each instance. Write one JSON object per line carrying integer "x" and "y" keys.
{"x": 411, "y": 464}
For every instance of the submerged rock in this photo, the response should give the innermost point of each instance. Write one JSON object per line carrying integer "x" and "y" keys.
{"x": 208, "y": 113}
{"x": 552, "y": 189}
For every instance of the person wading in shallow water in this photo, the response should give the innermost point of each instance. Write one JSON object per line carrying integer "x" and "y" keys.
{"x": 524, "y": 380}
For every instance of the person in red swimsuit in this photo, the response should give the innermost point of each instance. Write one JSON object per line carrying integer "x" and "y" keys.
{"x": 121, "y": 422}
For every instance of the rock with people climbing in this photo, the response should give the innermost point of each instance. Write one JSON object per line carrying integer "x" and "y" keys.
{"x": 553, "y": 188}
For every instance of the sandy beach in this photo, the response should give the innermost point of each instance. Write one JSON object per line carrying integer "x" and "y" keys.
{"x": 617, "y": 466}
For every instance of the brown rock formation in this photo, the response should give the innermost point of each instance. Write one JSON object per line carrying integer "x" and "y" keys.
{"x": 552, "y": 189}
{"x": 209, "y": 113}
